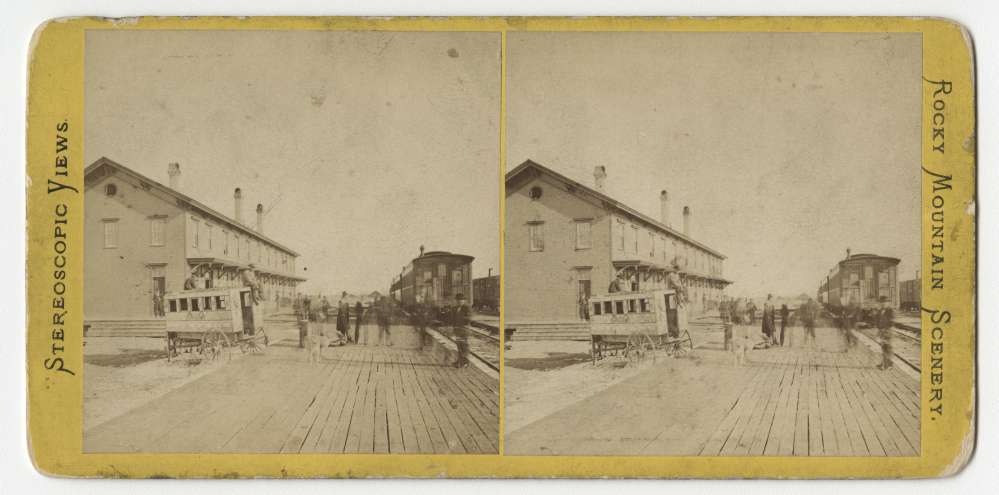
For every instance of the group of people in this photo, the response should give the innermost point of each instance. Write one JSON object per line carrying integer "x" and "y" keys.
{"x": 742, "y": 312}
{"x": 453, "y": 315}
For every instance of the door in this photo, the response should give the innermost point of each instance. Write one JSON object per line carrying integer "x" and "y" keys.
{"x": 159, "y": 290}
{"x": 583, "y": 297}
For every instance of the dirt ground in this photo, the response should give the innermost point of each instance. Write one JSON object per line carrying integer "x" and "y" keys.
{"x": 538, "y": 382}
{"x": 122, "y": 373}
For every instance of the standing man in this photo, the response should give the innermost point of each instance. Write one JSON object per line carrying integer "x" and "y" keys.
{"x": 358, "y": 313}
{"x": 809, "y": 312}
{"x": 343, "y": 316}
{"x": 249, "y": 278}
{"x": 383, "y": 314}
{"x": 885, "y": 320}
{"x": 420, "y": 319}
{"x": 769, "y": 328}
{"x": 459, "y": 330}
{"x": 725, "y": 312}
{"x": 784, "y": 315}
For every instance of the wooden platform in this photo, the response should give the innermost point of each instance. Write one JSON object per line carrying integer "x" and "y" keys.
{"x": 787, "y": 401}
{"x": 360, "y": 399}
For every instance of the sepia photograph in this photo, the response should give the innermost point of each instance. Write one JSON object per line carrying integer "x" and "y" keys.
{"x": 712, "y": 244}
{"x": 291, "y": 241}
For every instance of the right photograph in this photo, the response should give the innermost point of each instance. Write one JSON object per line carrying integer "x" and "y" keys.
{"x": 712, "y": 244}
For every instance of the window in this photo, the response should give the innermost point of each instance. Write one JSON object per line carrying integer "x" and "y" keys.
{"x": 643, "y": 305}
{"x": 110, "y": 190}
{"x": 536, "y": 235}
{"x": 608, "y": 307}
{"x": 208, "y": 303}
{"x": 631, "y": 306}
{"x": 195, "y": 231}
{"x": 173, "y": 305}
{"x": 246, "y": 247}
{"x": 868, "y": 272}
{"x": 652, "y": 244}
{"x": 157, "y": 231}
{"x": 220, "y": 302}
{"x": 225, "y": 242}
{"x": 456, "y": 276}
{"x": 208, "y": 235}
{"x": 619, "y": 307}
{"x": 195, "y": 304}
{"x": 110, "y": 232}
{"x": 183, "y": 304}
{"x": 536, "y": 193}
{"x": 428, "y": 275}
{"x": 634, "y": 238}
{"x": 236, "y": 239}
{"x": 583, "y": 234}
{"x": 596, "y": 308}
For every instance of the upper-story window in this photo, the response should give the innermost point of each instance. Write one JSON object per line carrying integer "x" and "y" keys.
{"x": 652, "y": 244}
{"x": 619, "y": 226}
{"x": 110, "y": 232}
{"x": 225, "y": 242}
{"x": 195, "y": 232}
{"x": 634, "y": 239}
{"x": 584, "y": 234}
{"x": 208, "y": 234}
{"x": 157, "y": 231}
{"x": 536, "y": 236}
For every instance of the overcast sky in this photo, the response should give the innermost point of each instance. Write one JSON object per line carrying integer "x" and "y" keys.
{"x": 789, "y": 148}
{"x": 367, "y": 145}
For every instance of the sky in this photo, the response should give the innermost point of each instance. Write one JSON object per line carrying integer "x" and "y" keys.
{"x": 788, "y": 148}
{"x": 363, "y": 146}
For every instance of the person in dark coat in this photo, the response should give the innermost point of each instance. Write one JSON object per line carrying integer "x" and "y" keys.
{"x": 358, "y": 313}
{"x": 809, "y": 313}
{"x": 784, "y": 315}
{"x": 459, "y": 329}
{"x": 885, "y": 321}
{"x": 343, "y": 315}
{"x": 769, "y": 328}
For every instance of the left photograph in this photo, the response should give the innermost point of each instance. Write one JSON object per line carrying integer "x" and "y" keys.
{"x": 291, "y": 242}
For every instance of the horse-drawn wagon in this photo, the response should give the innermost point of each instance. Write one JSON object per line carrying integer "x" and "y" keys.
{"x": 633, "y": 323}
{"x": 211, "y": 320}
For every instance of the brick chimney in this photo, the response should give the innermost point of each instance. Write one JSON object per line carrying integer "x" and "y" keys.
{"x": 260, "y": 218}
{"x": 664, "y": 208}
{"x": 686, "y": 221}
{"x": 237, "y": 198}
{"x": 599, "y": 175}
{"x": 173, "y": 170}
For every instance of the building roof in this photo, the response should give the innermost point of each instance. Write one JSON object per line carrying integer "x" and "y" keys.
{"x": 862, "y": 257}
{"x": 193, "y": 203}
{"x": 613, "y": 203}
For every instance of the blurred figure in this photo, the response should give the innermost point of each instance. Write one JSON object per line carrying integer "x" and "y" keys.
{"x": 769, "y": 328}
{"x": 784, "y": 315}
{"x": 809, "y": 313}
{"x": 885, "y": 321}
{"x": 383, "y": 314}
{"x": 358, "y": 313}
{"x": 459, "y": 331}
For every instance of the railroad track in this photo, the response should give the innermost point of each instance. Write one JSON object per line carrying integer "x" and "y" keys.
{"x": 481, "y": 344}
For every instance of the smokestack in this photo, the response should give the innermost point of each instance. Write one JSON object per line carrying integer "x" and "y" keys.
{"x": 664, "y": 208}
{"x": 599, "y": 174}
{"x": 686, "y": 221}
{"x": 847, "y": 253}
{"x": 237, "y": 197}
{"x": 421, "y": 250}
{"x": 260, "y": 218}
{"x": 173, "y": 170}
{"x": 490, "y": 272}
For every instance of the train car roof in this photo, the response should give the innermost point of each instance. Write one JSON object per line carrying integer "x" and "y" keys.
{"x": 444, "y": 254}
{"x": 869, "y": 257}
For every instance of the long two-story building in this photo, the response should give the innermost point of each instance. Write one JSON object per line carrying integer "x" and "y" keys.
{"x": 143, "y": 239}
{"x": 565, "y": 241}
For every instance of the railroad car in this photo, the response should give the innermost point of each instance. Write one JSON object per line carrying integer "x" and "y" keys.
{"x": 860, "y": 279}
{"x": 210, "y": 320}
{"x": 910, "y": 294}
{"x": 434, "y": 277}
{"x": 486, "y": 291}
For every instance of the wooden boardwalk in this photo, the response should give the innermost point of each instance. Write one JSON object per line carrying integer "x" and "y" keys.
{"x": 801, "y": 402}
{"x": 785, "y": 401}
{"x": 360, "y": 399}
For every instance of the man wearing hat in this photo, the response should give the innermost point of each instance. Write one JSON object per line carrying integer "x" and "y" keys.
{"x": 249, "y": 278}
{"x": 885, "y": 321}
{"x": 459, "y": 331}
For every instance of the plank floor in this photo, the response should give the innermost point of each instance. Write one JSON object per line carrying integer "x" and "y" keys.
{"x": 786, "y": 401}
{"x": 360, "y": 399}
{"x": 820, "y": 402}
